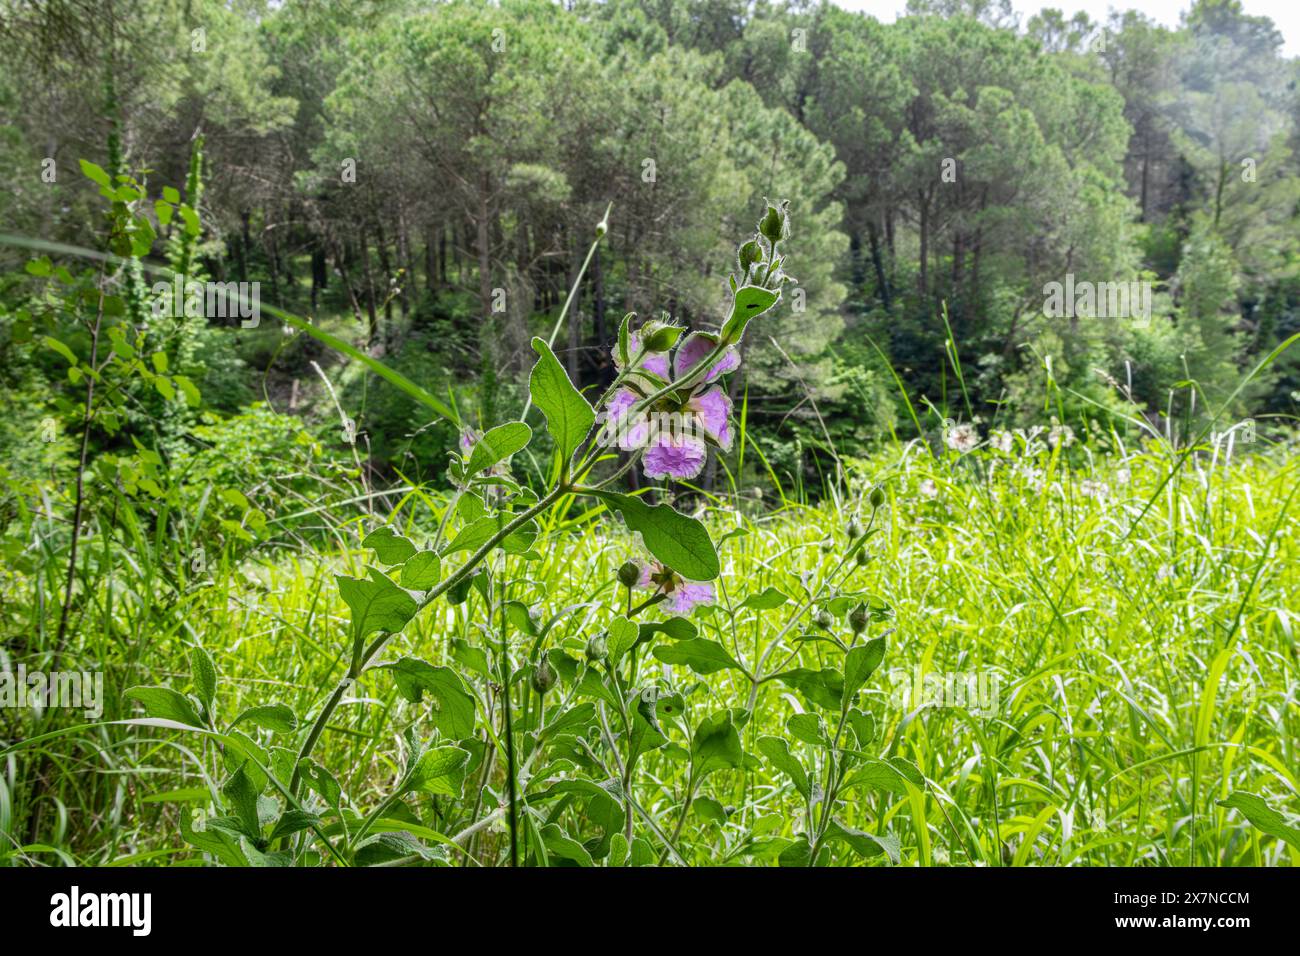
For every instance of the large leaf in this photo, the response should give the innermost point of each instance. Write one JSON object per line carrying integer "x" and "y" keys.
{"x": 1264, "y": 817}
{"x": 860, "y": 663}
{"x": 777, "y": 751}
{"x": 864, "y": 844}
{"x": 478, "y": 533}
{"x": 453, "y": 707}
{"x": 377, "y": 604}
{"x": 389, "y": 546}
{"x": 716, "y": 745}
{"x": 421, "y": 571}
{"x": 439, "y": 771}
{"x": 569, "y": 416}
{"x": 204, "y": 673}
{"x": 498, "y": 444}
{"x": 699, "y": 654}
{"x": 623, "y": 636}
{"x": 825, "y": 687}
{"x": 676, "y": 541}
{"x": 166, "y": 703}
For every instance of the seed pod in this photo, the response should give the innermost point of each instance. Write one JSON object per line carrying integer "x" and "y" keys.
{"x": 877, "y": 496}
{"x": 629, "y": 574}
{"x": 597, "y": 647}
{"x": 824, "y": 620}
{"x": 543, "y": 676}
{"x": 859, "y": 617}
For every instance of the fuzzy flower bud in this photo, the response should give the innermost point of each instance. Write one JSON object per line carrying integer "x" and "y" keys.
{"x": 877, "y": 497}
{"x": 629, "y": 574}
{"x": 543, "y": 676}
{"x": 597, "y": 648}
{"x": 858, "y": 619}
{"x": 824, "y": 620}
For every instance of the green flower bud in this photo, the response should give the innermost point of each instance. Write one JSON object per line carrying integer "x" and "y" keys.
{"x": 861, "y": 557}
{"x": 750, "y": 253}
{"x": 543, "y": 676}
{"x": 597, "y": 647}
{"x": 773, "y": 225}
{"x": 859, "y": 617}
{"x": 629, "y": 574}
{"x": 659, "y": 336}
{"x": 853, "y": 529}
{"x": 824, "y": 620}
{"x": 877, "y": 496}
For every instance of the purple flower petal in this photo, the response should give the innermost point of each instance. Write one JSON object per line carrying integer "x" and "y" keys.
{"x": 675, "y": 456}
{"x": 630, "y": 430}
{"x": 690, "y": 594}
{"x": 712, "y": 409}
{"x": 654, "y": 362}
{"x": 695, "y": 348}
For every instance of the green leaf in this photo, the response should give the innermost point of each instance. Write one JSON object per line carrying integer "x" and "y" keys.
{"x": 699, "y": 654}
{"x": 293, "y": 821}
{"x": 749, "y": 302}
{"x": 623, "y": 635}
{"x": 241, "y": 795}
{"x": 439, "y": 771}
{"x": 862, "y": 843}
{"x": 716, "y": 745}
{"x": 95, "y": 173}
{"x": 766, "y": 600}
{"x": 453, "y": 707}
{"x": 171, "y": 194}
{"x": 569, "y": 416}
{"x": 478, "y": 533}
{"x": 498, "y": 444}
{"x": 810, "y": 728}
{"x": 389, "y": 546}
{"x": 860, "y": 663}
{"x": 887, "y": 775}
{"x": 421, "y": 571}
{"x": 1262, "y": 816}
{"x": 204, "y": 674}
{"x": 276, "y": 718}
{"x": 825, "y": 688}
{"x": 59, "y": 347}
{"x": 677, "y": 628}
{"x": 560, "y": 844}
{"x": 165, "y": 703}
{"x": 676, "y": 541}
{"x": 192, "y": 397}
{"x": 777, "y": 751}
{"x": 377, "y": 604}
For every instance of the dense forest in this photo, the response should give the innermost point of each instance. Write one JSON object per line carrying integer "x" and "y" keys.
{"x": 425, "y": 179}
{"x": 973, "y": 546}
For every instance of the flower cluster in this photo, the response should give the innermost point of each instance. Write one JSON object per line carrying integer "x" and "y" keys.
{"x": 675, "y": 429}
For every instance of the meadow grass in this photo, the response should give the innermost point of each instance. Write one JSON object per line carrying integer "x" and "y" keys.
{"x": 1131, "y": 624}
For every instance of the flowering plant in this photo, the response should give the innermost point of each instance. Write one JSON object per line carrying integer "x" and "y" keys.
{"x": 498, "y": 714}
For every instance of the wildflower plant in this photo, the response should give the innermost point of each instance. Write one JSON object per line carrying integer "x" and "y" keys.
{"x": 524, "y": 729}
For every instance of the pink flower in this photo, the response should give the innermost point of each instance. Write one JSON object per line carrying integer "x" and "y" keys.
{"x": 629, "y": 429}
{"x": 682, "y": 595}
{"x": 674, "y": 456}
{"x": 655, "y": 363}
{"x": 712, "y": 409}
{"x": 695, "y": 348}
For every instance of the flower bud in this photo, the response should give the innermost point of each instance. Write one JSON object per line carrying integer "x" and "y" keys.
{"x": 859, "y": 617}
{"x": 853, "y": 529}
{"x": 877, "y": 497}
{"x": 750, "y": 253}
{"x": 861, "y": 557}
{"x": 629, "y": 574}
{"x": 543, "y": 676}
{"x": 773, "y": 225}
{"x": 597, "y": 647}
{"x": 659, "y": 336}
{"x": 824, "y": 620}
